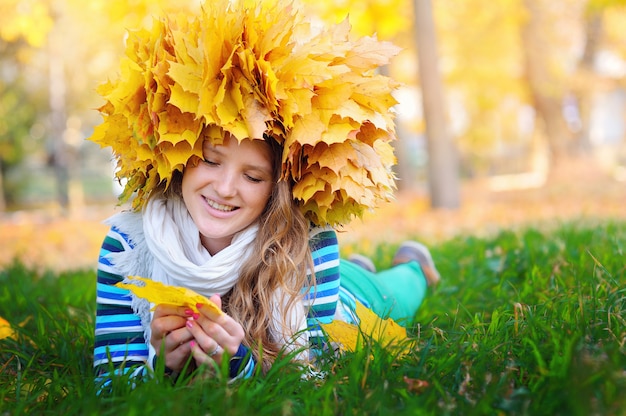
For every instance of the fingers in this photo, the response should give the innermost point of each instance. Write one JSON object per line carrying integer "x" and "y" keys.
{"x": 215, "y": 334}
{"x": 207, "y": 334}
{"x": 174, "y": 347}
{"x": 164, "y": 310}
{"x": 210, "y": 340}
{"x": 208, "y": 310}
{"x": 208, "y": 355}
{"x": 169, "y": 335}
{"x": 176, "y": 338}
{"x": 221, "y": 328}
{"x": 168, "y": 318}
{"x": 217, "y": 299}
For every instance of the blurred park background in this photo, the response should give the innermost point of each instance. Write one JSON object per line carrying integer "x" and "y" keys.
{"x": 510, "y": 113}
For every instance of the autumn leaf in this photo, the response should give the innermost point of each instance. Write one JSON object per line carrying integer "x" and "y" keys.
{"x": 6, "y": 330}
{"x": 307, "y": 130}
{"x": 178, "y": 155}
{"x": 337, "y": 133}
{"x": 369, "y": 53}
{"x": 415, "y": 385}
{"x": 336, "y": 155}
{"x": 159, "y": 293}
{"x": 184, "y": 100}
{"x": 385, "y": 331}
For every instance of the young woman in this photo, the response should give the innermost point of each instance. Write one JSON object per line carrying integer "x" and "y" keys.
{"x": 243, "y": 137}
{"x": 205, "y": 232}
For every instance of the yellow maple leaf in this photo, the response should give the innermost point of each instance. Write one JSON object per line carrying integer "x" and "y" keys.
{"x": 385, "y": 331}
{"x": 374, "y": 93}
{"x": 178, "y": 155}
{"x": 338, "y": 132}
{"x": 325, "y": 196}
{"x": 6, "y": 330}
{"x": 255, "y": 116}
{"x": 369, "y": 53}
{"x": 185, "y": 100}
{"x": 159, "y": 293}
{"x": 173, "y": 122}
{"x": 188, "y": 77}
{"x": 316, "y": 180}
{"x": 307, "y": 130}
{"x": 333, "y": 157}
{"x": 351, "y": 182}
{"x": 307, "y": 187}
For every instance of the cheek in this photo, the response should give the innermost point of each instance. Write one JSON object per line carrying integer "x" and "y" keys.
{"x": 187, "y": 186}
{"x": 263, "y": 197}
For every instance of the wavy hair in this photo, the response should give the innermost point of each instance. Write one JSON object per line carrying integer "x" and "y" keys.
{"x": 280, "y": 268}
{"x": 284, "y": 256}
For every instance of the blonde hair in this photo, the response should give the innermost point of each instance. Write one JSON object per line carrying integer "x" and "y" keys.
{"x": 281, "y": 266}
{"x": 282, "y": 242}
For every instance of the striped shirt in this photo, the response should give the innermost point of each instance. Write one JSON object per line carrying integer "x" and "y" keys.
{"x": 120, "y": 344}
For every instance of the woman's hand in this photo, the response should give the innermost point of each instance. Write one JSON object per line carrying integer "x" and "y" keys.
{"x": 213, "y": 334}
{"x": 170, "y": 336}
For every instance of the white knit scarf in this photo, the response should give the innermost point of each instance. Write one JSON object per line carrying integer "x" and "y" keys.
{"x": 180, "y": 259}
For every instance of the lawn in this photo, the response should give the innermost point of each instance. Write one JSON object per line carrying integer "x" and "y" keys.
{"x": 531, "y": 322}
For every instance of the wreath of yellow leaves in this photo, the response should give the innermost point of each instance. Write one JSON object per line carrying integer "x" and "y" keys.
{"x": 255, "y": 70}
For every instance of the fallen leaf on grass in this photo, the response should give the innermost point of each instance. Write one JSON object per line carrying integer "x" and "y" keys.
{"x": 159, "y": 293}
{"x": 6, "y": 331}
{"x": 415, "y": 385}
{"x": 385, "y": 331}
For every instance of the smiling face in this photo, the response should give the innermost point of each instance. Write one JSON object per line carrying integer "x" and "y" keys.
{"x": 228, "y": 190}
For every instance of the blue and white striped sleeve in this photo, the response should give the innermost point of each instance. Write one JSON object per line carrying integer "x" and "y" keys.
{"x": 120, "y": 345}
{"x": 321, "y": 299}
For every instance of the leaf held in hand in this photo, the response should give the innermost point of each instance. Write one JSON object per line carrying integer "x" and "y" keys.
{"x": 159, "y": 293}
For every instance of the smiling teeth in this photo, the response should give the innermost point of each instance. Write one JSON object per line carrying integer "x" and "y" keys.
{"x": 220, "y": 207}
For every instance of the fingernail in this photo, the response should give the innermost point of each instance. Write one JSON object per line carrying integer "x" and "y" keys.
{"x": 198, "y": 305}
{"x": 192, "y": 344}
{"x": 189, "y": 324}
{"x": 189, "y": 312}
{"x": 195, "y": 316}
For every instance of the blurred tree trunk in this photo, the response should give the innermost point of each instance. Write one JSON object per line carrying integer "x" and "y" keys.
{"x": 58, "y": 113}
{"x": 584, "y": 78}
{"x": 443, "y": 160}
{"x": 59, "y": 157}
{"x": 3, "y": 202}
{"x": 544, "y": 83}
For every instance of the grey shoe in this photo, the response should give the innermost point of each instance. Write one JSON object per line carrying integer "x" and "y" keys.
{"x": 418, "y": 252}
{"x": 362, "y": 261}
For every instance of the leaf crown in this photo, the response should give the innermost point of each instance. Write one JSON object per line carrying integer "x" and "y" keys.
{"x": 251, "y": 70}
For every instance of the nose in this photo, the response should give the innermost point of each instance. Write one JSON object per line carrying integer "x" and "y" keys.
{"x": 226, "y": 184}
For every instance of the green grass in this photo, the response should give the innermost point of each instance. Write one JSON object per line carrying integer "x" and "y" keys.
{"x": 524, "y": 323}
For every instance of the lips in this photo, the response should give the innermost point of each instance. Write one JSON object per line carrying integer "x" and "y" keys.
{"x": 219, "y": 207}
